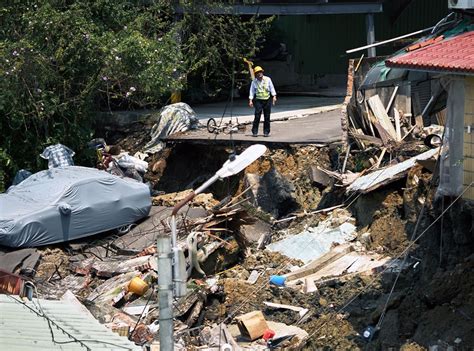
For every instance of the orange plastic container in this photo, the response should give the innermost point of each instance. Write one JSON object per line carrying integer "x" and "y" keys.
{"x": 137, "y": 286}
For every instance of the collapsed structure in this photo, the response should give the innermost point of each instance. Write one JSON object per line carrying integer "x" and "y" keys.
{"x": 313, "y": 245}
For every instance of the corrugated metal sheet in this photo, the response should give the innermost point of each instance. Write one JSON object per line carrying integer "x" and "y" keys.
{"x": 318, "y": 43}
{"x": 22, "y": 327}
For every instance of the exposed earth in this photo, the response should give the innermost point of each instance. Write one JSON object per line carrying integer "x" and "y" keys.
{"x": 433, "y": 299}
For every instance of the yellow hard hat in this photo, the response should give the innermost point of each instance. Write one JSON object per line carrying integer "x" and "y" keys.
{"x": 257, "y": 69}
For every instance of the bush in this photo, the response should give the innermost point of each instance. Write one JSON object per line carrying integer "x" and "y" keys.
{"x": 62, "y": 61}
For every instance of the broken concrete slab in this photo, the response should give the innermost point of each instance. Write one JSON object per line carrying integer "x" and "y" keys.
{"x": 318, "y": 264}
{"x": 315, "y": 241}
{"x": 219, "y": 337}
{"x": 119, "y": 264}
{"x": 22, "y": 261}
{"x": 319, "y": 177}
{"x": 253, "y": 232}
{"x": 389, "y": 174}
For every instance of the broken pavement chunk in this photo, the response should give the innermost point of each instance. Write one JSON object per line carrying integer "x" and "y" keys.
{"x": 314, "y": 242}
{"x": 19, "y": 261}
{"x": 319, "y": 177}
{"x": 117, "y": 265}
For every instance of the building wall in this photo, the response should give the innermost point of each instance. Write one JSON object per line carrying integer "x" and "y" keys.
{"x": 318, "y": 43}
{"x": 468, "y": 150}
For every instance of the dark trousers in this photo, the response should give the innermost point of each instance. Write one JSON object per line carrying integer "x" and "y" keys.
{"x": 266, "y": 107}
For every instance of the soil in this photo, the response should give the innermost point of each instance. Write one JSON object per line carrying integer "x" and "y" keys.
{"x": 294, "y": 163}
{"x": 427, "y": 307}
{"x": 432, "y": 301}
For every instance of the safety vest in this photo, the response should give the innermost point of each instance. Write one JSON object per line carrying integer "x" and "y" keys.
{"x": 262, "y": 91}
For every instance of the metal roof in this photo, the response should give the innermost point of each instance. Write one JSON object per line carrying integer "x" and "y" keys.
{"x": 23, "y": 326}
{"x": 453, "y": 55}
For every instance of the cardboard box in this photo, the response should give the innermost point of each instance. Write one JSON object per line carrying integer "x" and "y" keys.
{"x": 252, "y": 325}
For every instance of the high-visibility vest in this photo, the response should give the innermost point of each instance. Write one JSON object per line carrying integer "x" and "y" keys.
{"x": 262, "y": 91}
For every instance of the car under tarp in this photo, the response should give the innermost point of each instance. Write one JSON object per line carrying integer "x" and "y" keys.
{"x": 67, "y": 203}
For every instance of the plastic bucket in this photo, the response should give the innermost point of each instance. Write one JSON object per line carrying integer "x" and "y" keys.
{"x": 137, "y": 286}
{"x": 277, "y": 280}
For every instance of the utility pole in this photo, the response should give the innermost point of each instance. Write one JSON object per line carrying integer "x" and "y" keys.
{"x": 165, "y": 292}
{"x": 172, "y": 276}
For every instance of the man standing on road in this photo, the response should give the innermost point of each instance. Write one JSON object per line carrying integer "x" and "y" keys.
{"x": 261, "y": 92}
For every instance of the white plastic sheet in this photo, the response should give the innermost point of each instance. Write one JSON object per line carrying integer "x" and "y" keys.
{"x": 173, "y": 118}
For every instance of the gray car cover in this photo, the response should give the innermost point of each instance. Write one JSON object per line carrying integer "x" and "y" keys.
{"x": 67, "y": 203}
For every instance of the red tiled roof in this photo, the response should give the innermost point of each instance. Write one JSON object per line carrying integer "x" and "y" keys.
{"x": 450, "y": 55}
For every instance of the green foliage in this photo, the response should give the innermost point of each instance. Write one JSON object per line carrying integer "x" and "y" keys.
{"x": 61, "y": 61}
{"x": 215, "y": 45}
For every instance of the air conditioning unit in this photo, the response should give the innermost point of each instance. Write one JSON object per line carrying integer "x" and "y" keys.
{"x": 461, "y": 4}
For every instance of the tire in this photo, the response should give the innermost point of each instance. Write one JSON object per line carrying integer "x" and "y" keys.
{"x": 125, "y": 228}
{"x": 211, "y": 125}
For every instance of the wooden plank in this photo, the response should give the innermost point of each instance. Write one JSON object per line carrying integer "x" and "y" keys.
{"x": 386, "y": 138}
{"x": 379, "y": 111}
{"x": 390, "y": 102}
{"x": 358, "y": 63}
{"x": 321, "y": 262}
{"x": 369, "y": 139}
{"x": 368, "y": 117}
{"x": 379, "y": 160}
{"x": 354, "y": 133}
{"x": 389, "y": 174}
{"x": 419, "y": 121}
{"x": 403, "y": 100}
{"x": 396, "y": 116}
{"x": 409, "y": 132}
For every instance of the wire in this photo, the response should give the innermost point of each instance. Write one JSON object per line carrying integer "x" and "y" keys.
{"x": 51, "y": 322}
{"x": 389, "y": 266}
{"x": 420, "y": 216}
{"x": 141, "y": 315}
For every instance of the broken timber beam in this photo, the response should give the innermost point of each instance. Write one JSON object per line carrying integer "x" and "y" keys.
{"x": 384, "y": 121}
{"x": 388, "y": 175}
{"x": 320, "y": 263}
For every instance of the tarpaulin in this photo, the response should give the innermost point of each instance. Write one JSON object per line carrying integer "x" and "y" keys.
{"x": 66, "y": 203}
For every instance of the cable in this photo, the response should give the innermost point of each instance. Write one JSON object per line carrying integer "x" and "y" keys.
{"x": 42, "y": 314}
{"x": 420, "y": 216}
{"x": 389, "y": 266}
{"x": 141, "y": 315}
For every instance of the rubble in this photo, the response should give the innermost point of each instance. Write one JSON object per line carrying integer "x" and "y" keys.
{"x": 300, "y": 252}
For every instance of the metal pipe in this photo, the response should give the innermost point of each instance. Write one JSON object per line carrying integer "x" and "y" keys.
{"x": 165, "y": 293}
{"x": 388, "y": 40}
{"x": 207, "y": 184}
{"x": 370, "y": 27}
{"x": 173, "y": 231}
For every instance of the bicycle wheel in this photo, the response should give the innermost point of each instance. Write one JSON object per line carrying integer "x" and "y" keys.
{"x": 211, "y": 125}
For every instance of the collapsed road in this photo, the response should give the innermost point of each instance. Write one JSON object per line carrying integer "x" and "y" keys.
{"x": 309, "y": 247}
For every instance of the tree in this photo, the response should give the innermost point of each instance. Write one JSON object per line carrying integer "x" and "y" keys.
{"x": 63, "y": 61}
